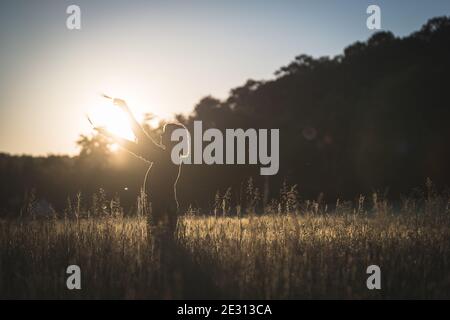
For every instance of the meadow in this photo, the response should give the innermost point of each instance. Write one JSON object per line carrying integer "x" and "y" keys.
{"x": 312, "y": 253}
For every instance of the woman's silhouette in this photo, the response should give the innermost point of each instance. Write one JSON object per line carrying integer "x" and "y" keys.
{"x": 161, "y": 179}
{"x": 160, "y": 185}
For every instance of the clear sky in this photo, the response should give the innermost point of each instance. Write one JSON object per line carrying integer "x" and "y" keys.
{"x": 161, "y": 56}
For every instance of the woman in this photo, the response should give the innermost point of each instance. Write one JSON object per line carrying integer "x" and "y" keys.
{"x": 161, "y": 179}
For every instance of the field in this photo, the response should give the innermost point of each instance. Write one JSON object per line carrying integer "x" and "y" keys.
{"x": 304, "y": 255}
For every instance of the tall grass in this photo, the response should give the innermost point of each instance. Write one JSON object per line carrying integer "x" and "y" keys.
{"x": 302, "y": 249}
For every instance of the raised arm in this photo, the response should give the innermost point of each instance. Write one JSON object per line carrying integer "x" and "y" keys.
{"x": 138, "y": 131}
{"x": 151, "y": 147}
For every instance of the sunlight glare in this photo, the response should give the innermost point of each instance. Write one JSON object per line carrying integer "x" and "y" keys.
{"x": 114, "y": 147}
{"x": 105, "y": 114}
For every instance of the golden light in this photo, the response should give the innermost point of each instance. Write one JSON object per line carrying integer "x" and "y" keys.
{"x": 114, "y": 147}
{"x": 155, "y": 121}
{"x": 112, "y": 118}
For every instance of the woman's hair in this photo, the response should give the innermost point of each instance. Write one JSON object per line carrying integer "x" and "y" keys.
{"x": 172, "y": 126}
{"x": 168, "y": 129}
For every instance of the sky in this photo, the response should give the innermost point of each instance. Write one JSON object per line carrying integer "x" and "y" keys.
{"x": 160, "y": 56}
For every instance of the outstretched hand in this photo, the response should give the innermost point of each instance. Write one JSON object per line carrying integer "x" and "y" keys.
{"x": 117, "y": 102}
{"x": 121, "y": 104}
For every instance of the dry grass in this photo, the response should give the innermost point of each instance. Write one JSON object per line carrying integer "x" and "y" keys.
{"x": 271, "y": 256}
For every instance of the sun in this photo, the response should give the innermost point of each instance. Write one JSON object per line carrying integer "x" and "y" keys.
{"x": 105, "y": 114}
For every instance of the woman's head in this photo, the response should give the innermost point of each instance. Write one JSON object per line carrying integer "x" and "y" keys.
{"x": 168, "y": 129}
